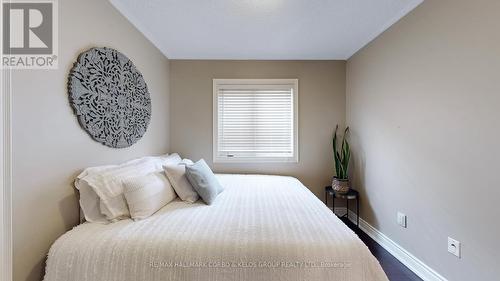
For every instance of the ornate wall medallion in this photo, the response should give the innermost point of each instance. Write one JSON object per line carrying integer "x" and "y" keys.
{"x": 109, "y": 97}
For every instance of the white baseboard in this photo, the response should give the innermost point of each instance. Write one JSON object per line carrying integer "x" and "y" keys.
{"x": 413, "y": 263}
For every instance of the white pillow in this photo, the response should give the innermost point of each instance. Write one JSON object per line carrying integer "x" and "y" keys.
{"x": 147, "y": 194}
{"x": 176, "y": 174}
{"x": 186, "y": 161}
{"x": 89, "y": 203}
{"x": 102, "y": 187}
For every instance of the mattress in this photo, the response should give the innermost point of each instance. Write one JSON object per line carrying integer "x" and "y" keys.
{"x": 259, "y": 228}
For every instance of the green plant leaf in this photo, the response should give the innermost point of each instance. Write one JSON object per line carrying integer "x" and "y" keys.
{"x": 340, "y": 175}
{"x": 337, "y": 163}
{"x": 342, "y": 156}
{"x": 347, "y": 157}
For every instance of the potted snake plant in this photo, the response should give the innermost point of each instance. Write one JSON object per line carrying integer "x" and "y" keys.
{"x": 340, "y": 182}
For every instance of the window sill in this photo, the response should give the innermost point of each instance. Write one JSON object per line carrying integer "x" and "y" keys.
{"x": 288, "y": 160}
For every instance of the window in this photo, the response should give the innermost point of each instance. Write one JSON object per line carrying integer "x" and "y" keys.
{"x": 255, "y": 120}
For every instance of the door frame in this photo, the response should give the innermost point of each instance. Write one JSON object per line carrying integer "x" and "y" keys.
{"x": 6, "y": 175}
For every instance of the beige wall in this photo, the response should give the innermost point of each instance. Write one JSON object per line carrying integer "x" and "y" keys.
{"x": 50, "y": 148}
{"x": 423, "y": 102}
{"x": 321, "y": 107}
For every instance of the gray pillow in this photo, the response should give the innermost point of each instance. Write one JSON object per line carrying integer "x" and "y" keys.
{"x": 203, "y": 181}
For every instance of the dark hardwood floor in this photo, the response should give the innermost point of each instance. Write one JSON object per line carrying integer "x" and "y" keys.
{"x": 394, "y": 269}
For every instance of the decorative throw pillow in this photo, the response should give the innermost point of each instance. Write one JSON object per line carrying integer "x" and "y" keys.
{"x": 147, "y": 194}
{"x": 176, "y": 174}
{"x": 101, "y": 188}
{"x": 186, "y": 161}
{"x": 204, "y": 181}
{"x": 89, "y": 203}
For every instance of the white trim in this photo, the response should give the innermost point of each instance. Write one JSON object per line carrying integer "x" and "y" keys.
{"x": 410, "y": 261}
{"x": 386, "y": 26}
{"x": 5, "y": 176}
{"x": 5, "y": 168}
{"x": 216, "y": 83}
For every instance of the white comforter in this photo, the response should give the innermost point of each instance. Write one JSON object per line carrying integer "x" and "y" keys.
{"x": 259, "y": 228}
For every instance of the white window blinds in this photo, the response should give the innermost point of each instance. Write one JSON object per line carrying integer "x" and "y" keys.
{"x": 255, "y": 120}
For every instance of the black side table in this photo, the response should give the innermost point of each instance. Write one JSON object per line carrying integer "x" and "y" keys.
{"x": 351, "y": 195}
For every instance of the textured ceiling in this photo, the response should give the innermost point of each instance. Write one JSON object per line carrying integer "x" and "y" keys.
{"x": 262, "y": 29}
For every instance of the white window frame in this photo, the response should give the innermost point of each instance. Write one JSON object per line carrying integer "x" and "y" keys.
{"x": 221, "y": 83}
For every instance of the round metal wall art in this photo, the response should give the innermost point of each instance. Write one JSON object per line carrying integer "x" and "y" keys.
{"x": 109, "y": 97}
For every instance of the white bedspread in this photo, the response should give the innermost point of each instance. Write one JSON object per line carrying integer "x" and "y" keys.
{"x": 259, "y": 228}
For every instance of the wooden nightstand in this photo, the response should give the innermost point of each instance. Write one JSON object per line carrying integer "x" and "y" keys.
{"x": 351, "y": 195}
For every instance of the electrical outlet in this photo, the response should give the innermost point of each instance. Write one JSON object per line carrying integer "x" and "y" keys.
{"x": 454, "y": 247}
{"x": 401, "y": 219}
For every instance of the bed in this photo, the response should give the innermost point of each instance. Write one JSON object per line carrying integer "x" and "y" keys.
{"x": 259, "y": 228}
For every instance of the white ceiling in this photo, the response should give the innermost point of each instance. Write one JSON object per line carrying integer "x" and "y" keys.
{"x": 262, "y": 29}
